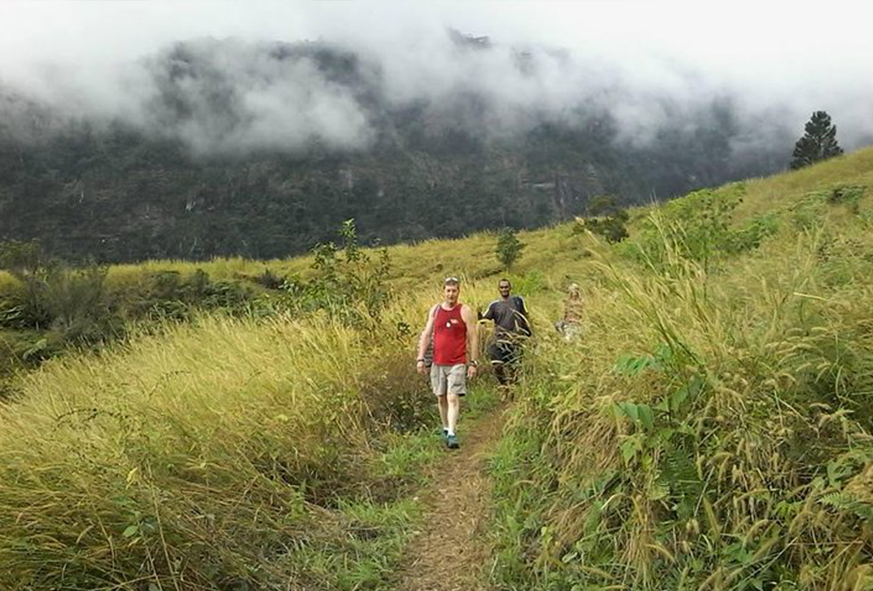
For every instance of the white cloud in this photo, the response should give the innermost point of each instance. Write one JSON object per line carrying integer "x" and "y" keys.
{"x": 89, "y": 58}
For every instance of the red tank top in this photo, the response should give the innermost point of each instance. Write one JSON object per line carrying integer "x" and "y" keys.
{"x": 449, "y": 337}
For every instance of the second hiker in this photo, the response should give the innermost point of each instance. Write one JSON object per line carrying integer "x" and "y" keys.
{"x": 512, "y": 326}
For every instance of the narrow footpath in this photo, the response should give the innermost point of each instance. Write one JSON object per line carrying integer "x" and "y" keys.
{"x": 451, "y": 552}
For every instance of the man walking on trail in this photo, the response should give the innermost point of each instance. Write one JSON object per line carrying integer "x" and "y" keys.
{"x": 512, "y": 326}
{"x": 453, "y": 328}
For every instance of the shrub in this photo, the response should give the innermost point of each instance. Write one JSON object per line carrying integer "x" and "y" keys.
{"x": 346, "y": 283}
{"x": 77, "y": 303}
{"x": 509, "y": 248}
{"x": 612, "y": 227}
{"x": 71, "y": 302}
{"x": 270, "y": 280}
{"x": 698, "y": 229}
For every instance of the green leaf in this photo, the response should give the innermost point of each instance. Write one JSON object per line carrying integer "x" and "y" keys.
{"x": 691, "y": 389}
{"x": 131, "y": 531}
{"x": 659, "y": 490}
{"x": 630, "y": 409}
{"x": 630, "y": 447}
{"x": 644, "y": 411}
{"x": 632, "y": 365}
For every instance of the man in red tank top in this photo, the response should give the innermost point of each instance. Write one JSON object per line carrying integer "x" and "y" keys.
{"x": 453, "y": 328}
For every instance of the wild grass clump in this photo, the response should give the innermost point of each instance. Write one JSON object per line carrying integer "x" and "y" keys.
{"x": 710, "y": 429}
{"x": 224, "y": 454}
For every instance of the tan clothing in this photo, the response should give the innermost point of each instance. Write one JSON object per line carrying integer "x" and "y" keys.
{"x": 448, "y": 379}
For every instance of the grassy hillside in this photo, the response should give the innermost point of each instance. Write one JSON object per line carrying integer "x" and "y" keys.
{"x": 222, "y": 454}
{"x": 710, "y": 428}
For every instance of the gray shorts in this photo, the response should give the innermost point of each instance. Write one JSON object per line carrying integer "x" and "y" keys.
{"x": 448, "y": 379}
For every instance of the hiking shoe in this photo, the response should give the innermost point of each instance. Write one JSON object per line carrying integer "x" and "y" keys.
{"x": 452, "y": 442}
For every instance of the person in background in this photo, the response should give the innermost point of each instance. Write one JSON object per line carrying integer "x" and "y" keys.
{"x": 568, "y": 326}
{"x": 453, "y": 328}
{"x": 511, "y": 327}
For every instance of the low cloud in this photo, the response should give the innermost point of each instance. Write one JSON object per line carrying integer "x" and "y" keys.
{"x": 231, "y": 97}
{"x": 228, "y": 80}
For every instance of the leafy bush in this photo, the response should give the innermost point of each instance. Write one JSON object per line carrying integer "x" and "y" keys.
{"x": 612, "y": 227}
{"x": 750, "y": 236}
{"x": 71, "y": 302}
{"x": 606, "y": 218}
{"x": 846, "y": 194}
{"x": 698, "y": 229}
{"x": 509, "y": 248}
{"x": 172, "y": 295}
{"x": 270, "y": 280}
{"x": 345, "y": 283}
{"x": 77, "y": 302}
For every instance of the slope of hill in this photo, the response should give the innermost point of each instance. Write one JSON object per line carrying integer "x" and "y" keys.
{"x": 709, "y": 428}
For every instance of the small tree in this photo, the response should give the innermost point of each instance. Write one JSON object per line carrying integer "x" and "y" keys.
{"x": 344, "y": 278}
{"x": 22, "y": 259}
{"x": 818, "y": 143}
{"x": 509, "y": 247}
{"x": 605, "y": 217}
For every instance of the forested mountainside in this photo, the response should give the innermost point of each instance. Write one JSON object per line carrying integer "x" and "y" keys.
{"x": 115, "y": 190}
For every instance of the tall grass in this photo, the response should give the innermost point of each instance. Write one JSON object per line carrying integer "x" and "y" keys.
{"x": 206, "y": 456}
{"x": 711, "y": 429}
{"x": 226, "y": 453}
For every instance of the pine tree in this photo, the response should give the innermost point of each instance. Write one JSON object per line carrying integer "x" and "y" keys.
{"x": 818, "y": 143}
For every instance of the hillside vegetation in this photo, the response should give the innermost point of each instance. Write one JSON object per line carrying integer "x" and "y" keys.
{"x": 710, "y": 428}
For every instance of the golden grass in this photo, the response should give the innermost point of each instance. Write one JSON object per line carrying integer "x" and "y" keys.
{"x": 7, "y": 282}
{"x": 780, "y": 337}
{"x": 206, "y": 447}
{"x": 203, "y": 446}
{"x": 196, "y": 409}
{"x": 193, "y": 452}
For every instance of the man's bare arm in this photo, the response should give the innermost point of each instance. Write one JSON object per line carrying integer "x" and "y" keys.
{"x": 472, "y": 323}
{"x": 426, "y": 334}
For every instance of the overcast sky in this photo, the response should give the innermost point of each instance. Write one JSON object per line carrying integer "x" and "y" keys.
{"x": 789, "y": 57}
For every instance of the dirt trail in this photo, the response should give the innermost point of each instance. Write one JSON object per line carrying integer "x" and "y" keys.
{"x": 451, "y": 552}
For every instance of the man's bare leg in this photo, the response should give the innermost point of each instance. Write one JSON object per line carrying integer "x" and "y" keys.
{"x": 454, "y": 409}
{"x": 444, "y": 410}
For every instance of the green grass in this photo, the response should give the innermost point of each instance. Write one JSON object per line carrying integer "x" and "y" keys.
{"x": 710, "y": 429}
{"x": 363, "y": 551}
{"x": 199, "y": 453}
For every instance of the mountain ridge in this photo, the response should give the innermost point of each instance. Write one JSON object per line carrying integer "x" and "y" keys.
{"x": 174, "y": 185}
